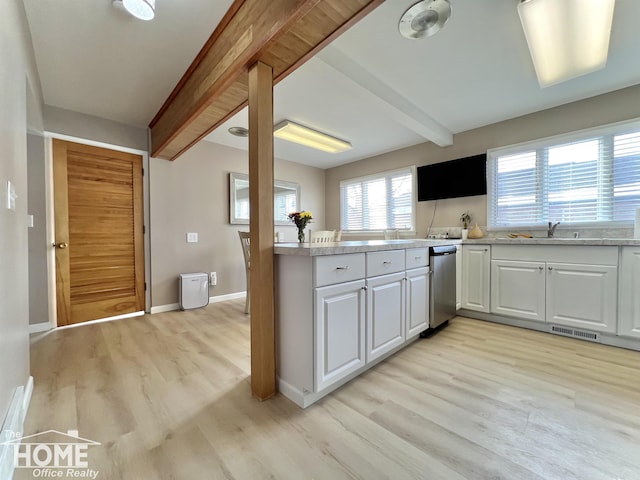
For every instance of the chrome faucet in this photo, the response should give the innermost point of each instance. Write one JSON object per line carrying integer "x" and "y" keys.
{"x": 552, "y": 228}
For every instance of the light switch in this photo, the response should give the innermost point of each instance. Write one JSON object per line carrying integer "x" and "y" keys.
{"x": 192, "y": 237}
{"x": 30, "y": 221}
{"x": 11, "y": 196}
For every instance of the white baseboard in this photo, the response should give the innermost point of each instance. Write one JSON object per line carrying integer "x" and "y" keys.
{"x": 218, "y": 298}
{"x": 228, "y": 296}
{"x": 165, "y": 308}
{"x": 14, "y": 423}
{"x": 39, "y": 327}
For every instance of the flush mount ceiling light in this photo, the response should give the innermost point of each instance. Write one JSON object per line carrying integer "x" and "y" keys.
{"x": 293, "y": 132}
{"x": 567, "y": 38}
{"x": 239, "y": 131}
{"x": 142, "y": 9}
{"x": 424, "y": 19}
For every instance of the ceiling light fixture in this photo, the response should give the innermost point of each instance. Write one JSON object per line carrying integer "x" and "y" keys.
{"x": 308, "y": 137}
{"x": 424, "y": 19}
{"x": 142, "y": 9}
{"x": 567, "y": 38}
{"x": 238, "y": 131}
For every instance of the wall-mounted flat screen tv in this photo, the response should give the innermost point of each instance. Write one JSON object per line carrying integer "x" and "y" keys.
{"x": 463, "y": 177}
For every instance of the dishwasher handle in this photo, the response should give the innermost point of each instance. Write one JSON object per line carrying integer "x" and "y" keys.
{"x": 440, "y": 250}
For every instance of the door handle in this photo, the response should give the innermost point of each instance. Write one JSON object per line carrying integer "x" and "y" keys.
{"x": 61, "y": 245}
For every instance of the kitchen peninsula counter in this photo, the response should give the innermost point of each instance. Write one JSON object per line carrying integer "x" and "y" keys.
{"x": 360, "y": 246}
{"x": 342, "y": 307}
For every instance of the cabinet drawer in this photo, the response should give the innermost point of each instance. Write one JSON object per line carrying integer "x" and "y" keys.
{"x": 381, "y": 263}
{"x": 330, "y": 269}
{"x": 417, "y": 257}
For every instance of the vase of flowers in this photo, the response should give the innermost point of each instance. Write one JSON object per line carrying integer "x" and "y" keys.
{"x": 301, "y": 219}
{"x": 465, "y": 218}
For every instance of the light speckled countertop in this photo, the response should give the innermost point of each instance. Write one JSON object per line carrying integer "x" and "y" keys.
{"x": 335, "y": 248}
{"x": 553, "y": 241}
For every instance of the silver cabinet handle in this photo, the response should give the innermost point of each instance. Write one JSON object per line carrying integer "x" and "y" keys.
{"x": 387, "y": 262}
{"x": 343, "y": 268}
{"x": 540, "y": 268}
{"x": 550, "y": 268}
{"x": 364, "y": 288}
{"x": 417, "y": 258}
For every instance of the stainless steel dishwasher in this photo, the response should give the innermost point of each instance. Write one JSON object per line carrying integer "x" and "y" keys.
{"x": 442, "y": 292}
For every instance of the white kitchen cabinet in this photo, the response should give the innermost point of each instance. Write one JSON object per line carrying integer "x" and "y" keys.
{"x": 385, "y": 314}
{"x": 476, "y": 274}
{"x": 576, "y": 295}
{"x": 629, "y": 313}
{"x": 582, "y": 296}
{"x": 563, "y": 285}
{"x": 458, "y": 277}
{"x": 339, "y": 313}
{"x": 339, "y": 332}
{"x": 417, "y": 301}
{"x": 518, "y": 289}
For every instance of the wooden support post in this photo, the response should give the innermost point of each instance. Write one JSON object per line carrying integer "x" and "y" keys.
{"x": 263, "y": 342}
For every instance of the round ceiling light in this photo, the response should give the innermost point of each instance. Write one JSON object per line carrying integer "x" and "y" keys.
{"x": 424, "y": 19}
{"x": 239, "y": 131}
{"x": 142, "y": 9}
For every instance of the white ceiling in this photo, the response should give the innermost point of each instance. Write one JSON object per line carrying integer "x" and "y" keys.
{"x": 96, "y": 59}
{"x": 371, "y": 86}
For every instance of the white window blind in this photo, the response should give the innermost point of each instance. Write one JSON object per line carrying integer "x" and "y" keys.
{"x": 586, "y": 178}
{"x": 378, "y": 202}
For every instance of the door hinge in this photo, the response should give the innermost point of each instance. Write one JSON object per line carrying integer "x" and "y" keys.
{"x": 145, "y": 286}
{"x": 144, "y": 229}
{"x": 143, "y": 172}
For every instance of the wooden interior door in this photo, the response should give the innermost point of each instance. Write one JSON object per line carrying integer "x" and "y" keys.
{"x": 99, "y": 232}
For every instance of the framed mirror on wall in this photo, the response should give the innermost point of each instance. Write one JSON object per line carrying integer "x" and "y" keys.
{"x": 286, "y": 199}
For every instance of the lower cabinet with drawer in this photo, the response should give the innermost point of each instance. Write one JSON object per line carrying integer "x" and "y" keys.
{"x": 572, "y": 286}
{"x": 339, "y": 332}
{"x": 417, "y": 280}
{"x": 385, "y": 302}
{"x": 475, "y": 293}
{"x": 339, "y": 314}
{"x": 629, "y": 318}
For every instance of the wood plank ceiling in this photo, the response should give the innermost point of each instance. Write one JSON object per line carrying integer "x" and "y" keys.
{"x": 280, "y": 33}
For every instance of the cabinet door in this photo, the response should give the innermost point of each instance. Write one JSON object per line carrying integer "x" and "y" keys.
{"x": 518, "y": 289}
{"x": 582, "y": 296}
{"x": 629, "y": 321}
{"x": 339, "y": 332}
{"x": 417, "y": 303}
{"x": 458, "y": 277}
{"x": 385, "y": 314}
{"x": 475, "y": 277}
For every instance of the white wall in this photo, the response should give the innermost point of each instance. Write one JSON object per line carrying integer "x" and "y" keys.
{"x": 19, "y": 79}
{"x": 191, "y": 194}
{"x": 613, "y": 107}
{"x": 89, "y": 127}
{"x": 39, "y": 247}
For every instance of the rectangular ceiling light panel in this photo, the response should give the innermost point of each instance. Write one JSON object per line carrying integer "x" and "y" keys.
{"x": 311, "y": 138}
{"x": 567, "y": 38}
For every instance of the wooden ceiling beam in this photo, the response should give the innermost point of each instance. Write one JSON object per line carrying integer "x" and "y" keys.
{"x": 280, "y": 33}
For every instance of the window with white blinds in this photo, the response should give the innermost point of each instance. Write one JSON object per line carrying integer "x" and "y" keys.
{"x": 585, "y": 178}
{"x": 378, "y": 202}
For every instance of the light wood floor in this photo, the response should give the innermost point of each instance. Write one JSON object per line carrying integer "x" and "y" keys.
{"x": 168, "y": 397}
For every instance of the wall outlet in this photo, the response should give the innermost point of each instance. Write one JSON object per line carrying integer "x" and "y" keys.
{"x": 192, "y": 237}
{"x": 213, "y": 279}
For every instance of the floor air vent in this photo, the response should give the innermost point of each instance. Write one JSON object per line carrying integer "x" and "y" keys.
{"x": 572, "y": 332}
